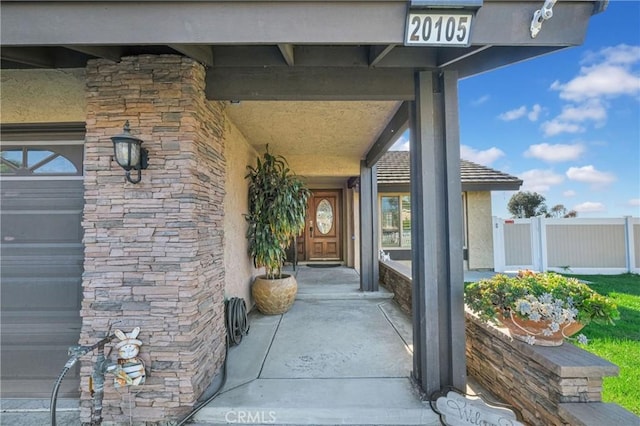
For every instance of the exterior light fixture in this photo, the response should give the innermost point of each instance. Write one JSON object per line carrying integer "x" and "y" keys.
{"x": 129, "y": 153}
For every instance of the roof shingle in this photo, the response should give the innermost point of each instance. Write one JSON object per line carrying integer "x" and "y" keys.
{"x": 394, "y": 169}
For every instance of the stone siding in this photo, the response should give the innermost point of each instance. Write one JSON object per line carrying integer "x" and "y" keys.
{"x": 154, "y": 250}
{"x": 397, "y": 279}
{"x": 537, "y": 380}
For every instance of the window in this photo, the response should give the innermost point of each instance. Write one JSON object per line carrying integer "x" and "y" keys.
{"x": 324, "y": 217}
{"x": 395, "y": 219}
{"x": 390, "y": 222}
{"x": 26, "y": 161}
{"x": 405, "y": 216}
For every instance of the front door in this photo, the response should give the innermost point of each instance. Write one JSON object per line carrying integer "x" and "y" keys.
{"x": 323, "y": 236}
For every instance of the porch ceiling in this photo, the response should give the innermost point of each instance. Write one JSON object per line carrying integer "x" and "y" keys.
{"x": 321, "y": 138}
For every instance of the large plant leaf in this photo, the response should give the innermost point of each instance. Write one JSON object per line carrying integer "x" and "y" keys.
{"x": 277, "y": 209}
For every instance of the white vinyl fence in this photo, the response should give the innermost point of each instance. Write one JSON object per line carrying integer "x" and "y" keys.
{"x": 574, "y": 245}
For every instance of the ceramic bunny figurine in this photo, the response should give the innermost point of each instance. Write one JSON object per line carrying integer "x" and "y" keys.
{"x": 129, "y": 370}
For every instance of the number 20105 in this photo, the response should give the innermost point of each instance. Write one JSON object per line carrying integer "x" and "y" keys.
{"x": 439, "y": 29}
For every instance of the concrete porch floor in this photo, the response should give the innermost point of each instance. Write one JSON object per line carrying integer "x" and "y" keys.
{"x": 339, "y": 356}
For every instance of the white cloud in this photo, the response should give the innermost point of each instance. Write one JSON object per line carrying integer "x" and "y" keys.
{"x": 568, "y": 121}
{"x": 555, "y": 127}
{"x": 589, "y": 207}
{"x": 621, "y": 54}
{"x": 481, "y": 100}
{"x": 402, "y": 144}
{"x": 555, "y": 153}
{"x": 485, "y": 157}
{"x": 540, "y": 180}
{"x": 591, "y": 110}
{"x": 514, "y": 114}
{"x": 534, "y": 113}
{"x": 610, "y": 75}
{"x": 569, "y": 193}
{"x": 634, "y": 202}
{"x": 606, "y": 74}
{"x": 589, "y": 174}
{"x": 599, "y": 80}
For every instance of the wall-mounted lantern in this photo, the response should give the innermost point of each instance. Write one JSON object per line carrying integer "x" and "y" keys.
{"x": 129, "y": 153}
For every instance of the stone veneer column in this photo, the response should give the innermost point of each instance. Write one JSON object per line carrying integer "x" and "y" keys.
{"x": 154, "y": 250}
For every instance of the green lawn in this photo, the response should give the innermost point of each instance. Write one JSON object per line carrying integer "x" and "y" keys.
{"x": 619, "y": 344}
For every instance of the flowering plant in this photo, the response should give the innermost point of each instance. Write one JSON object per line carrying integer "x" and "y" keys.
{"x": 558, "y": 305}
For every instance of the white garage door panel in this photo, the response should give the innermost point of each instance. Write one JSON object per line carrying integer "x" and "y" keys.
{"x": 41, "y": 259}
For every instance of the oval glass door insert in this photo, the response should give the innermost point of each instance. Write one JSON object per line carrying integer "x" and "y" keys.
{"x": 324, "y": 217}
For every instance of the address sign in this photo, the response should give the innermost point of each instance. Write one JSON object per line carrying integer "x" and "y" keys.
{"x": 438, "y": 29}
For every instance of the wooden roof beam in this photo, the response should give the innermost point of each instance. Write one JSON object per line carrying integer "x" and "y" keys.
{"x": 396, "y": 126}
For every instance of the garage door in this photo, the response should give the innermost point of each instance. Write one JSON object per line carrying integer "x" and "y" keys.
{"x": 41, "y": 265}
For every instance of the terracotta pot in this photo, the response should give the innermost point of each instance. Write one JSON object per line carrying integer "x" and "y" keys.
{"x": 274, "y": 296}
{"x": 522, "y": 329}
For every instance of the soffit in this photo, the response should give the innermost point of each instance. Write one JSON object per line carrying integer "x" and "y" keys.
{"x": 346, "y": 55}
{"x": 320, "y": 138}
{"x": 286, "y": 38}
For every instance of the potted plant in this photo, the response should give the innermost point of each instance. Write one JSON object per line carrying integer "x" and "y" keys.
{"x": 277, "y": 209}
{"x": 539, "y": 308}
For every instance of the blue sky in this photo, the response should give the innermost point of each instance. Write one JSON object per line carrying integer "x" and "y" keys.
{"x": 567, "y": 123}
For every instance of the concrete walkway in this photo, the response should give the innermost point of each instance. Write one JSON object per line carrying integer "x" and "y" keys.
{"x": 339, "y": 356}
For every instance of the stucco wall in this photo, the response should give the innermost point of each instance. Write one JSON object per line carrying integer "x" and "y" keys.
{"x": 479, "y": 230}
{"x": 43, "y": 96}
{"x": 239, "y": 270}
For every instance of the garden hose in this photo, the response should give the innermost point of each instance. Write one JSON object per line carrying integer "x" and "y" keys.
{"x": 237, "y": 326}
{"x": 236, "y": 317}
{"x": 76, "y": 352}
{"x": 54, "y": 394}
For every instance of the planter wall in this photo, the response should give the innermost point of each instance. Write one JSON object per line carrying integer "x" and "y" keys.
{"x": 396, "y": 277}
{"x": 548, "y": 385}
{"x": 537, "y": 380}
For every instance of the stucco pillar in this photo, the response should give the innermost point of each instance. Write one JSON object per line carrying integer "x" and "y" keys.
{"x": 437, "y": 235}
{"x": 154, "y": 250}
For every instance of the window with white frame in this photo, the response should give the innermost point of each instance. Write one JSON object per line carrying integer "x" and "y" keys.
{"x": 395, "y": 221}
